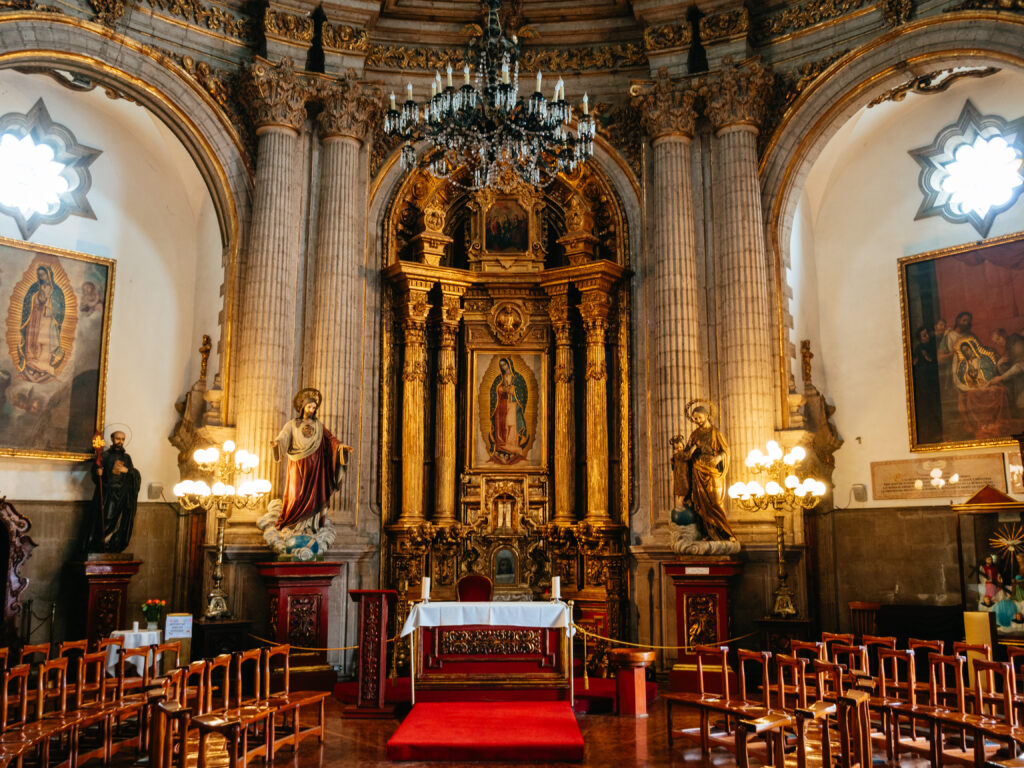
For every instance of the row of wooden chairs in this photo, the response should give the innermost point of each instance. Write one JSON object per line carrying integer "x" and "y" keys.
{"x": 244, "y": 699}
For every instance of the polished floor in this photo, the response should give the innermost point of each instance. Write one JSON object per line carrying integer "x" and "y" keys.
{"x": 610, "y": 741}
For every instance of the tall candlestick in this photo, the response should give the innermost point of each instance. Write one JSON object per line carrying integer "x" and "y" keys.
{"x": 426, "y": 588}
{"x": 556, "y": 587}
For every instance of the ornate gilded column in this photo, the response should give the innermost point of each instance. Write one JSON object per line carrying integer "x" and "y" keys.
{"x": 414, "y": 375}
{"x": 668, "y": 117}
{"x": 266, "y": 338}
{"x": 736, "y": 99}
{"x": 332, "y": 355}
{"x": 445, "y": 420}
{"x": 565, "y": 410}
{"x": 595, "y": 306}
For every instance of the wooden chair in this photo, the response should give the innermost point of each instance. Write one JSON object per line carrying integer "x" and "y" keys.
{"x": 854, "y": 659}
{"x": 285, "y": 725}
{"x": 172, "y": 737}
{"x": 810, "y": 650}
{"x": 897, "y": 703}
{"x": 863, "y": 618}
{"x": 165, "y": 656}
{"x": 835, "y": 638}
{"x": 995, "y": 710}
{"x": 54, "y": 727}
{"x": 133, "y": 668}
{"x": 94, "y": 708}
{"x": 34, "y": 654}
{"x": 854, "y": 728}
{"x": 873, "y": 643}
{"x": 15, "y": 742}
{"x": 244, "y": 717}
{"x": 711, "y": 698}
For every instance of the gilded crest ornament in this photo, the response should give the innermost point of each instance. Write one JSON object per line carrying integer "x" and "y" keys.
{"x": 508, "y": 322}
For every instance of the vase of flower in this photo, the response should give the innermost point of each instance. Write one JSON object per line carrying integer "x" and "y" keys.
{"x": 153, "y": 611}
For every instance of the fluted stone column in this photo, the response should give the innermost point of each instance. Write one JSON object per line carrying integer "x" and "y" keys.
{"x": 414, "y": 375}
{"x": 736, "y": 101}
{"x": 332, "y": 355}
{"x": 445, "y": 421}
{"x": 565, "y": 427}
{"x": 595, "y": 305}
{"x": 266, "y": 327}
{"x": 668, "y": 117}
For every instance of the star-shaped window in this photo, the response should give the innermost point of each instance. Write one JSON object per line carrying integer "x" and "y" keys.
{"x": 973, "y": 170}
{"x": 44, "y": 171}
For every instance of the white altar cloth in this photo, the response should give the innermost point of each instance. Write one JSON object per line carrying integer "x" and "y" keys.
{"x": 551, "y": 615}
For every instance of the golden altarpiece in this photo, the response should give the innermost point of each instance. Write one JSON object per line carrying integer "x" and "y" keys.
{"x": 505, "y": 418}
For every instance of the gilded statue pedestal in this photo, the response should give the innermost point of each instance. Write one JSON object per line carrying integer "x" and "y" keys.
{"x": 702, "y": 610}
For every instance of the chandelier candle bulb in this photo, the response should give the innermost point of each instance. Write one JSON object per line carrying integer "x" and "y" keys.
{"x": 465, "y": 74}
{"x": 408, "y": 89}
{"x": 539, "y": 78}
{"x": 393, "y": 106}
{"x": 450, "y": 75}
{"x": 586, "y": 110}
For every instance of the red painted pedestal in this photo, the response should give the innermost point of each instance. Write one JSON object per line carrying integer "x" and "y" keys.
{"x": 630, "y": 679}
{"x": 106, "y": 598}
{"x": 374, "y": 607}
{"x": 297, "y": 615}
{"x": 702, "y": 609}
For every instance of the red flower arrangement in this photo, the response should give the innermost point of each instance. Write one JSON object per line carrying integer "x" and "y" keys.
{"x": 153, "y": 609}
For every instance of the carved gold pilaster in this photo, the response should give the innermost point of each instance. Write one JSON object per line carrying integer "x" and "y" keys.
{"x": 579, "y": 241}
{"x": 445, "y": 423}
{"x": 666, "y": 106}
{"x": 274, "y": 95}
{"x": 595, "y": 306}
{"x": 415, "y": 309}
{"x": 738, "y": 95}
{"x": 565, "y": 449}
{"x": 348, "y": 109}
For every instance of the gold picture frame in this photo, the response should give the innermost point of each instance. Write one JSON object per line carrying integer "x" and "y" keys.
{"x": 962, "y": 342}
{"x": 520, "y": 442}
{"x": 53, "y": 365}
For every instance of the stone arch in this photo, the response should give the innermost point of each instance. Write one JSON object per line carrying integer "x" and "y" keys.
{"x": 855, "y": 79}
{"x": 157, "y": 83}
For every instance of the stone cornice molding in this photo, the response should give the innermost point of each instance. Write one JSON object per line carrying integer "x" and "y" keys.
{"x": 274, "y": 95}
{"x": 666, "y": 107}
{"x": 349, "y": 108}
{"x": 738, "y": 94}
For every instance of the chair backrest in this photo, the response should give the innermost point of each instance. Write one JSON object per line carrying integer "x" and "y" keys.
{"x": 105, "y": 643}
{"x": 829, "y": 676}
{"x": 863, "y": 618}
{"x": 275, "y": 658}
{"x": 806, "y": 649}
{"x": 853, "y": 657}
{"x": 994, "y": 690}
{"x": 52, "y": 687}
{"x": 3, "y": 658}
{"x": 164, "y": 652}
{"x": 193, "y": 687}
{"x": 474, "y": 588}
{"x": 873, "y": 643}
{"x": 754, "y": 659}
{"x": 791, "y": 678}
{"x": 34, "y": 654}
{"x": 92, "y": 679}
{"x": 897, "y": 675}
{"x": 946, "y": 681}
{"x": 248, "y": 688}
{"x": 218, "y": 678}
{"x": 712, "y": 665}
{"x": 1015, "y": 656}
{"x": 854, "y": 727}
{"x": 14, "y": 697}
{"x": 139, "y": 658}
{"x": 73, "y": 647}
{"x": 923, "y": 649}
{"x": 835, "y": 638}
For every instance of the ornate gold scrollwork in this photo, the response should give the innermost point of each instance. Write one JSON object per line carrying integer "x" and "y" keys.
{"x": 288, "y": 26}
{"x": 738, "y": 94}
{"x": 666, "y": 106}
{"x": 508, "y": 322}
{"x": 490, "y": 642}
{"x": 667, "y": 37}
{"x": 728, "y": 25}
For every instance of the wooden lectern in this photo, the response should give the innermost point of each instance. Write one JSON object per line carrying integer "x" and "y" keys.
{"x": 374, "y": 608}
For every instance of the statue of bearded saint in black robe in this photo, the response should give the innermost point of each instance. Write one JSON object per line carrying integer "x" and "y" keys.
{"x": 115, "y": 500}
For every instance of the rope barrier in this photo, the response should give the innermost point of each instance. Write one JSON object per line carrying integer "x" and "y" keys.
{"x": 685, "y": 648}
{"x": 307, "y": 648}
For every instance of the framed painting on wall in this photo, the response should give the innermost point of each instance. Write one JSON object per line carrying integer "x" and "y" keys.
{"x": 963, "y": 344}
{"x": 57, "y": 307}
{"x": 508, "y": 410}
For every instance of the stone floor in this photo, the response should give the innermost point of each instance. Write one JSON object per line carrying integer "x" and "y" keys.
{"x": 610, "y": 741}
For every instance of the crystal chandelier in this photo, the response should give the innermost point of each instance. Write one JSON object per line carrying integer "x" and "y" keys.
{"x": 485, "y": 126}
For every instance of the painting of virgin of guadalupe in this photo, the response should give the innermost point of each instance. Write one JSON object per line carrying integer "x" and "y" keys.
{"x": 509, "y": 402}
{"x": 51, "y": 379}
{"x": 963, "y": 331}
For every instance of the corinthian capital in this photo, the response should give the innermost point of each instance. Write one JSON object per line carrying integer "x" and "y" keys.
{"x": 738, "y": 94}
{"x": 274, "y": 94}
{"x": 666, "y": 107}
{"x": 348, "y": 108}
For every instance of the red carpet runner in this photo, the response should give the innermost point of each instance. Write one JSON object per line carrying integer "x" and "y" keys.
{"x": 537, "y": 731}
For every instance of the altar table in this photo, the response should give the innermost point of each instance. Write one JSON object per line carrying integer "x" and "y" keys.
{"x": 141, "y": 638}
{"x": 514, "y": 647}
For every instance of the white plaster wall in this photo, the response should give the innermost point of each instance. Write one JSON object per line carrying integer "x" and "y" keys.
{"x": 854, "y": 221}
{"x": 155, "y": 218}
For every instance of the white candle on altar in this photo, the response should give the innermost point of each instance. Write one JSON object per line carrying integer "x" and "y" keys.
{"x": 135, "y": 626}
{"x": 556, "y": 587}
{"x": 426, "y": 588}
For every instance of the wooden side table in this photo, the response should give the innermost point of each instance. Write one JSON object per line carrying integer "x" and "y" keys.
{"x": 630, "y": 679}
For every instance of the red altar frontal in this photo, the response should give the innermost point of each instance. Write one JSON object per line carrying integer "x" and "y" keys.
{"x": 702, "y": 609}
{"x": 297, "y": 615}
{"x": 490, "y": 651}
